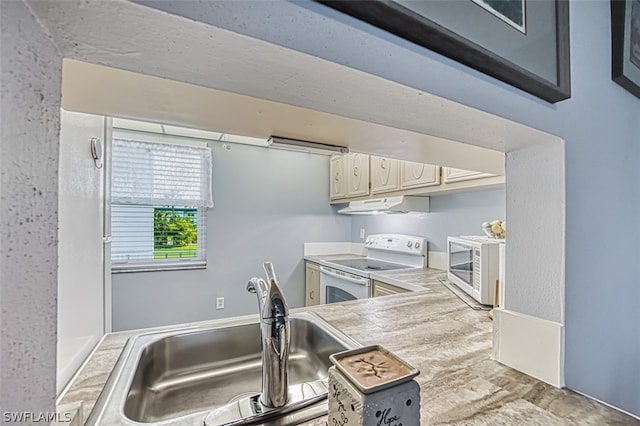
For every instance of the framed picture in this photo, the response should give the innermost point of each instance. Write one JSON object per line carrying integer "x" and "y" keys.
{"x": 625, "y": 44}
{"x": 510, "y": 11}
{"x": 524, "y": 43}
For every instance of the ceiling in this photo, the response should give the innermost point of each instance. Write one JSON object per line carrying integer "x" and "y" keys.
{"x": 181, "y": 72}
{"x": 108, "y": 91}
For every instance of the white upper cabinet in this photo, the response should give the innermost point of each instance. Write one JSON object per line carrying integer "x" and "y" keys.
{"x": 414, "y": 175}
{"x": 385, "y": 174}
{"x": 338, "y": 184}
{"x": 459, "y": 175}
{"x": 357, "y": 174}
{"x": 349, "y": 176}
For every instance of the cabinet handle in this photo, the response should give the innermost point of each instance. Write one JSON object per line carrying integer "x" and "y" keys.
{"x": 420, "y": 173}
{"x": 337, "y": 177}
{"x": 312, "y": 295}
{"x": 355, "y": 171}
{"x": 384, "y": 179}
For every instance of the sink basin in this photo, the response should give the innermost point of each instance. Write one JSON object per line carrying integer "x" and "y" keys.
{"x": 179, "y": 376}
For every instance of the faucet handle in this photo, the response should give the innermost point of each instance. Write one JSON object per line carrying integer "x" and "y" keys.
{"x": 271, "y": 302}
{"x": 276, "y": 304}
{"x": 271, "y": 272}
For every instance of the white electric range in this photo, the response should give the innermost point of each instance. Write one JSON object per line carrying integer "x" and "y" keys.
{"x": 349, "y": 279}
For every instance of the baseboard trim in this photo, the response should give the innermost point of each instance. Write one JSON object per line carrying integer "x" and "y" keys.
{"x": 529, "y": 344}
{"x": 635, "y": 416}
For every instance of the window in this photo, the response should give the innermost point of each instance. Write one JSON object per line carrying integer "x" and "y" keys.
{"x": 159, "y": 196}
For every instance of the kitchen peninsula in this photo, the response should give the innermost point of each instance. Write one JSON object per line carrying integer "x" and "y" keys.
{"x": 438, "y": 334}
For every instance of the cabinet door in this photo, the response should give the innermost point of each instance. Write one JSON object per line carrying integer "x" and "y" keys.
{"x": 385, "y": 174}
{"x": 458, "y": 175}
{"x": 379, "y": 291}
{"x": 414, "y": 175}
{"x": 358, "y": 174}
{"x": 312, "y": 272}
{"x": 338, "y": 184}
{"x": 384, "y": 289}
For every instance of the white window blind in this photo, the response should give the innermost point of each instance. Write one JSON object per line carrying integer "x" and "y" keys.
{"x": 159, "y": 196}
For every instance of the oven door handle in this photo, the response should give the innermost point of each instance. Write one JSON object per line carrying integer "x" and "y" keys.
{"x": 358, "y": 280}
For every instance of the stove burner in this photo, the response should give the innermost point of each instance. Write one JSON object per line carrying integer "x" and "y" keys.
{"x": 369, "y": 264}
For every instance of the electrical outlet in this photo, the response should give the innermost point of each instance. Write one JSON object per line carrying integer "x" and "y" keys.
{"x": 362, "y": 233}
{"x": 220, "y": 303}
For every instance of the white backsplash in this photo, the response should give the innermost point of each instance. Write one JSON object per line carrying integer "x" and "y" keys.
{"x": 437, "y": 260}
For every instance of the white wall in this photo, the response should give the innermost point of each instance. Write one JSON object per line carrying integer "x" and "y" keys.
{"x": 268, "y": 202}
{"x": 31, "y": 73}
{"x": 80, "y": 248}
{"x": 535, "y": 267}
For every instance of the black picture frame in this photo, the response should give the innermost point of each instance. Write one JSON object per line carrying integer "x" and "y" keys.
{"x": 620, "y": 63}
{"x": 422, "y": 30}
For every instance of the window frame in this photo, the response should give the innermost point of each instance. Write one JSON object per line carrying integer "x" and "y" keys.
{"x": 155, "y": 265}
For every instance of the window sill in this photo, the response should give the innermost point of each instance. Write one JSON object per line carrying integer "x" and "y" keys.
{"x": 121, "y": 268}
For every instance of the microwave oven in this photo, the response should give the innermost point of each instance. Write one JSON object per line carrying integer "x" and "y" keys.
{"x": 474, "y": 265}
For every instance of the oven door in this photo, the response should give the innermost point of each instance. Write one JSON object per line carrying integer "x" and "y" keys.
{"x": 339, "y": 286}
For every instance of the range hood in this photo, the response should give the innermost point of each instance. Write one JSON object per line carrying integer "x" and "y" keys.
{"x": 397, "y": 204}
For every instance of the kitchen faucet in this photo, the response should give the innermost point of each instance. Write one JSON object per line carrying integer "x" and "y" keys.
{"x": 275, "y": 337}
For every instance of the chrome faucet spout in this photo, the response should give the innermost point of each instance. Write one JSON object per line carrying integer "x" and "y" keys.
{"x": 261, "y": 289}
{"x": 275, "y": 338}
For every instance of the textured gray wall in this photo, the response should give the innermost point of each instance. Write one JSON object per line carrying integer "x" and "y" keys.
{"x": 268, "y": 202}
{"x": 454, "y": 214}
{"x": 31, "y": 73}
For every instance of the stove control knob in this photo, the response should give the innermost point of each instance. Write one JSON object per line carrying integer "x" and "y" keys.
{"x": 369, "y": 240}
{"x": 410, "y": 244}
{"x": 417, "y": 245}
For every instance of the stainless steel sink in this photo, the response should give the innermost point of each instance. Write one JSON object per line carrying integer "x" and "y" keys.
{"x": 178, "y": 376}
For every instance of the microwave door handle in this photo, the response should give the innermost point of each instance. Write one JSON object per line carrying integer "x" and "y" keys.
{"x": 359, "y": 280}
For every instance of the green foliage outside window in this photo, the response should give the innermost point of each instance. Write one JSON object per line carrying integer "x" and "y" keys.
{"x": 175, "y": 232}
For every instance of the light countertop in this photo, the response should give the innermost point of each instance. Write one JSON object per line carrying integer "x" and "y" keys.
{"x": 411, "y": 279}
{"x": 441, "y": 336}
{"x": 325, "y": 259}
